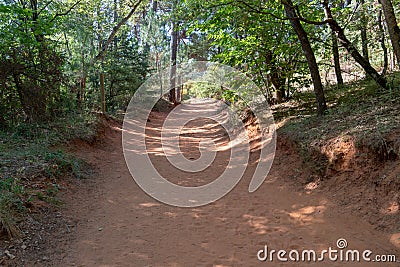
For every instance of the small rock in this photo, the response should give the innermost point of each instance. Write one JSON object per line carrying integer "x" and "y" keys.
{"x": 45, "y": 258}
{"x": 23, "y": 247}
{"x": 100, "y": 229}
{"x": 11, "y": 256}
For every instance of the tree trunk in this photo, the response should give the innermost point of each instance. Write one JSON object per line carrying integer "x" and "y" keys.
{"x": 154, "y": 5}
{"x": 383, "y": 44}
{"x": 336, "y": 60}
{"x": 174, "y": 50}
{"x": 179, "y": 90}
{"x": 393, "y": 28}
{"x": 351, "y": 49}
{"x": 115, "y": 41}
{"x": 102, "y": 93}
{"x": 179, "y": 79}
{"x": 363, "y": 31}
{"x": 101, "y": 78}
{"x": 82, "y": 89}
{"x": 279, "y": 87}
{"x": 275, "y": 77}
{"x": 82, "y": 82}
{"x": 32, "y": 98}
{"x": 309, "y": 54}
{"x": 264, "y": 79}
{"x": 158, "y": 65}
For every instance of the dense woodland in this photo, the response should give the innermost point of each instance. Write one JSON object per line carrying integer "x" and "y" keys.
{"x": 66, "y": 56}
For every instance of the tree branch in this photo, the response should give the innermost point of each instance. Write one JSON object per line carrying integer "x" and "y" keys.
{"x": 352, "y": 15}
{"x": 44, "y": 7}
{"x": 299, "y": 17}
{"x": 111, "y": 37}
{"x": 219, "y": 5}
{"x": 66, "y": 12}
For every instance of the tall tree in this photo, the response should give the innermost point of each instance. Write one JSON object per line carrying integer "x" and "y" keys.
{"x": 291, "y": 13}
{"x": 173, "y": 56}
{"x": 352, "y": 50}
{"x": 383, "y": 44}
{"x": 115, "y": 30}
{"x": 29, "y": 62}
{"x": 243, "y": 34}
{"x": 363, "y": 25}
{"x": 336, "y": 60}
{"x": 393, "y": 27}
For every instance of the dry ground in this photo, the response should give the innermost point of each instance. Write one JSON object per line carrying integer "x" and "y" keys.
{"x": 117, "y": 224}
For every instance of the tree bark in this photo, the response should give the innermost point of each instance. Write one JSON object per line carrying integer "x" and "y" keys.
{"x": 174, "y": 50}
{"x": 393, "y": 28}
{"x": 336, "y": 60}
{"x": 363, "y": 32}
{"x": 383, "y": 44}
{"x": 179, "y": 79}
{"x": 309, "y": 54}
{"x": 82, "y": 80}
{"x": 102, "y": 93}
{"x": 275, "y": 77}
{"x": 115, "y": 41}
{"x": 32, "y": 98}
{"x": 154, "y": 6}
{"x": 278, "y": 86}
{"x": 351, "y": 49}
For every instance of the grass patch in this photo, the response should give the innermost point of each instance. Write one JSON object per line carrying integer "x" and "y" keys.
{"x": 31, "y": 167}
{"x": 11, "y": 205}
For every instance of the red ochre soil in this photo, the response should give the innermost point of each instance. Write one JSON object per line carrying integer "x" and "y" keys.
{"x": 115, "y": 223}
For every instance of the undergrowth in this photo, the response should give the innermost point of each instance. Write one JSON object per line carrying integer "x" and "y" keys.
{"x": 31, "y": 165}
{"x": 361, "y": 111}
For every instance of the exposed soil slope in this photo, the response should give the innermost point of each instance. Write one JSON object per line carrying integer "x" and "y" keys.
{"x": 119, "y": 225}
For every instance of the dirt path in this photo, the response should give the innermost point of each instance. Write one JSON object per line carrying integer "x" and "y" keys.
{"x": 119, "y": 225}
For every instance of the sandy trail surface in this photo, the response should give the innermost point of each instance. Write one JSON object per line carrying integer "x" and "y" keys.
{"x": 120, "y": 225}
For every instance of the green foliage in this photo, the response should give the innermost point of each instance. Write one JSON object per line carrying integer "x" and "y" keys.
{"x": 257, "y": 43}
{"x": 49, "y": 87}
{"x": 59, "y": 164}
{"x": 125, "y": 69}
{"x": 125, "y": 63}
{"x": 29, "y": 64}
{"x": 48, "y": 49}
{"x": 68, "y": 127}
{"x": 28, "y": 158}
{"x": 47, "y": 54}
{"x": 11, "y": 204}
